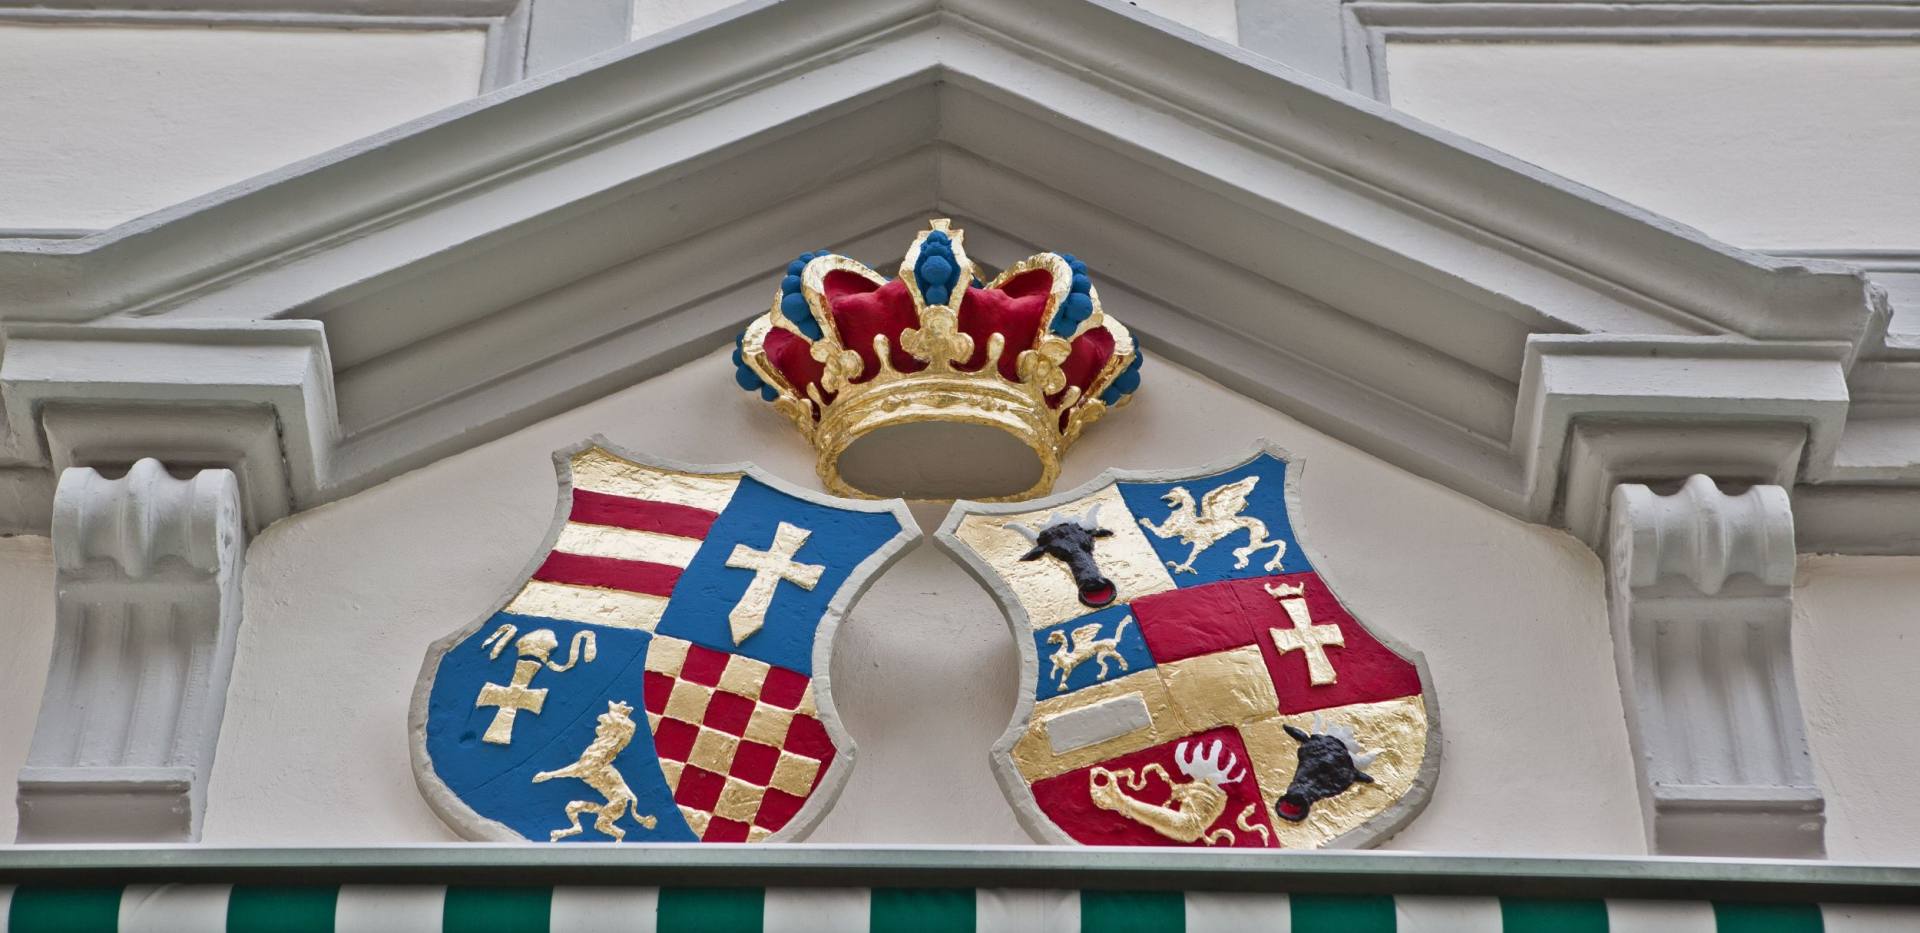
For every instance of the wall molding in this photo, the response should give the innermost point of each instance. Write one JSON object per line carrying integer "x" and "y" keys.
{"x": 1700, "y": 587}
{"x": 147, "y": 606}
{"x": 504, "y": 22}
{"x": 1367, "y": 26}
{"x": 523, "y": 37}
{"x": 1426, "y": 299}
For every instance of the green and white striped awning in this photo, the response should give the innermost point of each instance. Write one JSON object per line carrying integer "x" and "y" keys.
{"x": 1029, "y": 889}
{"x": 426, "y": 909}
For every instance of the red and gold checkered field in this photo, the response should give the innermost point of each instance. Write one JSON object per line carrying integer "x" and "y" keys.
{"x": 740, "y": 740}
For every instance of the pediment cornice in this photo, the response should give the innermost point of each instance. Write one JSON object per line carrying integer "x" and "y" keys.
{"x": 495, "y": 263}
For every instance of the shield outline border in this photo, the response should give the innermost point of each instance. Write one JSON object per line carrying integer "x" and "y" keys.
{"x": 1376, "y": 829}
{"x": 470, "y": 824}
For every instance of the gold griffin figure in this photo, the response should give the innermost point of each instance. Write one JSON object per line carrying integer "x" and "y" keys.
{"x": 1191, "y": 806}
{"x": 1217, "y": 517}
{"x": 595, "y": 767}
{"x": 1086, "y": 644}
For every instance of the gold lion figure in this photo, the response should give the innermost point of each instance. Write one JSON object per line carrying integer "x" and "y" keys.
{"x": 595, "y": 767}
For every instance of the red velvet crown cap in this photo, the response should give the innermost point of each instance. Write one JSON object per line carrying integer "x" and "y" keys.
{"x": 862, "y": 308}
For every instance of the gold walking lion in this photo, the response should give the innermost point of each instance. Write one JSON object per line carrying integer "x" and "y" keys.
{"x": 595, "y": 767}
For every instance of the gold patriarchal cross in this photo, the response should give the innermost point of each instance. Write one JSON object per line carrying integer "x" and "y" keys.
{"x": 769, "y": 567}
{"x": 1305, "y": 635}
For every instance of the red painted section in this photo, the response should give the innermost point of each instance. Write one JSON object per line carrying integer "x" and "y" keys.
{"x": 862, "y": 310}
{"x": 777, "y": 809}
{"x": 1014, "y": 310}
{"x": 783, "y": 688}
{"x": 1068, "y": 798}
{"x": 667, "y": 518}
{"x": 1232, "y": 613}
{"x": 1087, "y": 356}
{"x": 634, "y": 576}
{"x": 792, "y": 355}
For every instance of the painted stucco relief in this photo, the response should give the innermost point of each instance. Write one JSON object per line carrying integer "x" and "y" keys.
{"x": 846, "y": 352}
{"x": 1190, "y": 676}
{"x": 659, "y": 672}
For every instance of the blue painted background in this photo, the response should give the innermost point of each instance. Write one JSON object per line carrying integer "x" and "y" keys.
{"x": 497, "y": 780}
{"x": 1131, "y": 646}
{"x": 708, "y": 590}
{"x": 1268, "y": 503}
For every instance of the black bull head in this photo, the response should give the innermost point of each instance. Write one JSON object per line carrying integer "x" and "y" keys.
{"x": 1328, "y": 763}
{"x": 1070, "y": 540}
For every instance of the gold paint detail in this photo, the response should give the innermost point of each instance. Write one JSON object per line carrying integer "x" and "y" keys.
{"x": 626, "y": 544}
{"x": 589, "y": 605}
{"x": 768, "y": 725}
{"x": 713, "y": 750}
{"x": 667, "y": 655}
{"x": 1311, "y": 638}
{"x": 1181, "y": 697}
{"x": 1220, "y": 689}
{"x": 942, "y": 391}
{"x": 1217, "y": 516}
{"x": 794, "y": 774}
{"x": 769, "y": 567}
{"x": 1033, "y": 753}
{"x": 1045, "y": 588}
{"x": 613, "y": 731}
{"x": 599, "y": 470}
{"x": 743, "y": 676}
{"x": 534, "y": 649}
{"x": 1246, "y": 823}
{"x": 1086, "y": 645}
{"x": 687, "y": 702}
{"x": 1396, "y": 729}
{"x": 1191, "y": 806}
{"x": 739, "y": 801}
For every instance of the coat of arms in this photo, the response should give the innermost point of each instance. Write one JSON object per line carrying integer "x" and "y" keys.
{"x": 657, "y": 673}
{"x": 1191, "y": 678}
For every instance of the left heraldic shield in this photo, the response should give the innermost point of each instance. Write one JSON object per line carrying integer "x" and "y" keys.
{"x": 659, "y": 671}
{"x": 1191, "y": 679}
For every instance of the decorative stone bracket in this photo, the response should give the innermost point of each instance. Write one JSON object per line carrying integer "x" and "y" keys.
{"x": 147, "y": 569}
{"x": 1701, "y": 592}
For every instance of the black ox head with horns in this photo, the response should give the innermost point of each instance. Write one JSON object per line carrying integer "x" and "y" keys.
{"x": 1070, "y": 540}
{"x": 1328, "y": 763}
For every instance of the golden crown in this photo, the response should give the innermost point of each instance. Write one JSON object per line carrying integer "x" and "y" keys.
{"x": 845, "y": 352}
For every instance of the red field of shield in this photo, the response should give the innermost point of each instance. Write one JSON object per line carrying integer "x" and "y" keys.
{"x": 1215, "y": 617}
{"x": 1151, "y": 787}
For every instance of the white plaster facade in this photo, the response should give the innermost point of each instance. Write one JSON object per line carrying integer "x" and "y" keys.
{"x": 420, "y": 496}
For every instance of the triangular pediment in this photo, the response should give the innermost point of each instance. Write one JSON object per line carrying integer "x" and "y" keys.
{"x": 1426, "y": 299}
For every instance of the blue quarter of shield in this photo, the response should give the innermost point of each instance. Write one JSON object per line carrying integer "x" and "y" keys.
{"x": 497, "y": 780}
{"x": 1176, "y": 512}
{"x": 839, "y": 540}
{"x": 1111, "y": 648}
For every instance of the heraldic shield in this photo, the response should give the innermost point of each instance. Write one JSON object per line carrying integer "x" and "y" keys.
{"x": 658, "y": 673}
{"x": 1190, "y": 677}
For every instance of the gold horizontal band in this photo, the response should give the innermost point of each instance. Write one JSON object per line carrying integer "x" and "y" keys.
{"x": 589, "y": 605}
{"x": 599, "y": 471}
{"x": 626, "y": 544}
{"x": 953, "y": 397}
